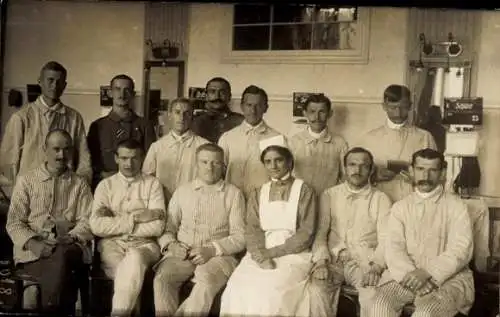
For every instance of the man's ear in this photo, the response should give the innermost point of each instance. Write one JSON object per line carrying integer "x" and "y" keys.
{"x": 411, "y": 171}
{"x": 330, "y": 113}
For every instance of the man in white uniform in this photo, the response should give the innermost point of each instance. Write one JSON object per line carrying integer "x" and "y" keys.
{"x": 241, "y": 144}
{"x": 204, "y": 233}
{"x": 393, "y": 143}
{"x": 317, "y": 152}
{"x": 128, "y": 213}
{"x": 173, "y": 157}
{"x": 349, "y": 243}
{"x": 429, "y": 246}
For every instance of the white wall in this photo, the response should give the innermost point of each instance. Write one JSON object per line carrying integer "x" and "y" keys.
{"x": 94, "y": 41}
{"x": 356, "y": 88}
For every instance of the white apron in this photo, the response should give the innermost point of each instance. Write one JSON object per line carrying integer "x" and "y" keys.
{"x": 253, "y": 291}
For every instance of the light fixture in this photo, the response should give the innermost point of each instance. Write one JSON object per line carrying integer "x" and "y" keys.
{"x": 454, "y": 48}
{"x": 163, "y": 51}
{"x": 426, "y": 47}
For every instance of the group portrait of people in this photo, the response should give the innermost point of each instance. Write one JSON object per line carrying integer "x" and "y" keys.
{"x": 275, "y": 224}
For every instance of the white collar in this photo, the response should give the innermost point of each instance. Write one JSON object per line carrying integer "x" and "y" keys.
{"x": 395, "y": 126}
{"x": 129, "y": 179}
{"x": 316, "y": 135}
{"x": 252, "y": 127}
{"x": 55, "y": 107}
{"x": 284, "y": 178}
{"x": 357, "y": 191}
{"x": 182, "y": 137}
{"x": 429, "y": 194}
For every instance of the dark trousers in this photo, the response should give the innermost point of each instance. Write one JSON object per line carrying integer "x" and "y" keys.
{"x": 58, "y": 276}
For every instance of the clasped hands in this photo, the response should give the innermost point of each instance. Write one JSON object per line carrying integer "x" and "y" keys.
{"x": 197, "y": 256}
{"x": 419, "y": 281}
{"x": 370, "y": 277}
{"x": 263, "y": 259}
{"x": 43, "y": 248}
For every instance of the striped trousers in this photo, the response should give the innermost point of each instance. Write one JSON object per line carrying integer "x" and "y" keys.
{"x": 390, "y": 299}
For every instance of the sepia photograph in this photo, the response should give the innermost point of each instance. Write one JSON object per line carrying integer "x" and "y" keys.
{"x": 249, "y": 159}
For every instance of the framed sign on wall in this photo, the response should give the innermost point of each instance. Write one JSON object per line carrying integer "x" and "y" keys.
{"x": 105, "y": 96}
{"x": 197, "y": 96}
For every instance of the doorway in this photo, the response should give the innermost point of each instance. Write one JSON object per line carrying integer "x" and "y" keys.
{"x": 163, "y": 82}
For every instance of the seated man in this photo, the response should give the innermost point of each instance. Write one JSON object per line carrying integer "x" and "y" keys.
{"x": 48, "y": 224}
{"x": 428, "y": 248}
{"x": 128, "y": 212}
{"x": 204, "y": 232}
{"x": 351, "y": 231}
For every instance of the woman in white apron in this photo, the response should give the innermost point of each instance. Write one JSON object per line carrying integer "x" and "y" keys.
{"x": 271, "y": 278}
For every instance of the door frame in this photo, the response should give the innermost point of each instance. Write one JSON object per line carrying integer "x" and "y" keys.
{"x": 181, "y": 65}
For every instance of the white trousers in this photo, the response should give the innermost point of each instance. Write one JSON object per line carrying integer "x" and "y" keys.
{"x": 126, "y": 263}
{"x": 208, "y": 278}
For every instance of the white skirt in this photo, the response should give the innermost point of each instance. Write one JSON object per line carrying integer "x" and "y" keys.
{"x": 256, "y": 292}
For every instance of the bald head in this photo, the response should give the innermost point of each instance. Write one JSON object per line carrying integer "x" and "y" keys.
{"x": 58, "y": 133}
{"x": 59, "y": 150}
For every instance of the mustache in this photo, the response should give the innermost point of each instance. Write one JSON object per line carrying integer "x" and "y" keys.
{"x": 424, "y": 182}
{"x": 218, "y": 100}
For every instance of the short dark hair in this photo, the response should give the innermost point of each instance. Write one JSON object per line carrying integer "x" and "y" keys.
{"x": 282, "y": 151}
{"x": 56, "y": 67}
{"x": 211, "y": 147}
{"x": 429, "y": 154}
{"x": 130, "y": 144}
{"x": 180, "y": 100}
{"x": 318, "y": 98}
{"x": 62, "y": 132}
{"x": 255, "y": 90}
{"x": 359, "y": 150}
{"x": 125, "y": 77}
{"x": 397, "y": 93}
{"x": 220, "y": 80}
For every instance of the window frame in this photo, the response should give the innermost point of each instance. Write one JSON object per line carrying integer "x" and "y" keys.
{"x": 356, "y": 56}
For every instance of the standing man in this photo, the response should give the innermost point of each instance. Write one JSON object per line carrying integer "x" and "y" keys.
{"x": 122, "y": 123}
{"x": 173, "y": 157}
{"x": 204, "y": 232}
{"x": 349, "y": 243}
{"x": 23, "y": 140}
{"x": 393, "y": 143}
{"x": 318, "y": 154}
{"x": 217, "y": 117}
{"x": 48, "y": 225}
{"x": 428, "y": 249}
{"x": 241, "y": 144}
{"x": 128, "y": 213}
